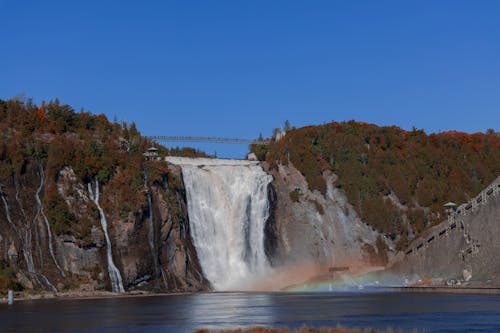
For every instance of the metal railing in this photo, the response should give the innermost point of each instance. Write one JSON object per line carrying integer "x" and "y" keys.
{"x": 455, "y": 220}
{"x": 166, "y": 138}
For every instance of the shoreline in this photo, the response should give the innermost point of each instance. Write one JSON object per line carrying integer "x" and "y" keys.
{"x": 81, "y": 295}
{"x": 449, "y": 290}
{"x": 76, "y": 295}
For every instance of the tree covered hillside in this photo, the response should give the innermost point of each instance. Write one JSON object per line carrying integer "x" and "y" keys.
{"x": 52, "y": 136}
{"x": 396, "y": 180}
{"x": 49, "y": 156}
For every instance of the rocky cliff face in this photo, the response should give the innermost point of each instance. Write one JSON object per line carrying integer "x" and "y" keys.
{"x": 82, "y": 208}
{"x": 152, "y": 249}
{"x": 306, "y": 227}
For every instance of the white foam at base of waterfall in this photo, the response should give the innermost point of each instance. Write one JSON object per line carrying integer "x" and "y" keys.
{"x": 228, "y": 208}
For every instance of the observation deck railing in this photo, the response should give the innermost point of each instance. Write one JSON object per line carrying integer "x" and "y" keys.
{"x": 456, "y": 217}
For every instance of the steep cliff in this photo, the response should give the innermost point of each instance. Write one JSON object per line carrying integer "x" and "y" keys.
{"x": 308, "y": 228}
{"x": 82, "y": 209}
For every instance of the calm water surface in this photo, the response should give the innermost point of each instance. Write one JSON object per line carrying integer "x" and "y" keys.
{"x": 185, "y": 313}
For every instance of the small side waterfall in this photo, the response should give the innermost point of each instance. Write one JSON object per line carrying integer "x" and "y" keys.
{"x": 25, "y": 240}
{"x": 114, "y": 273}
{"x": 7, "y": 212}
{"x": 28, "y": 257}
{"x": 47, "y": 224}
{"x": 228, "y": 208}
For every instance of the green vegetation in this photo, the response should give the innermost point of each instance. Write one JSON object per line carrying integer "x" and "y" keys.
{"x": 390, "y": 174}
{"x": 260, "y": 151}
{"x": 8, "y": 279}
{"x": 188, "y": 152}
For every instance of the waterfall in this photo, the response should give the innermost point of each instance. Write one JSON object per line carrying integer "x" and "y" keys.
{"x": 228, "y": 208}
{"x": 7, "y": 212}
{"x": 28, "y": 257}
{"x": 114, "y": 273}
{"x": 47, "y": 224}
{"x": 25, "y": 241}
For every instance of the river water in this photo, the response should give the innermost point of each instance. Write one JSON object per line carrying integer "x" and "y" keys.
{"x": 185, "y": 313}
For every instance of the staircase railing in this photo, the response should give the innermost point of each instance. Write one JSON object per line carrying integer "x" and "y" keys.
{"x": 455, "y": 219}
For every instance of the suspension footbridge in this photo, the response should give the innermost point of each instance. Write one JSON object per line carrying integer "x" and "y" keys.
{"x": 166, "y": 138}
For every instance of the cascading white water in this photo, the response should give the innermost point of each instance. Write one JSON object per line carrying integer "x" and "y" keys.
{"x": 46, "y": 221}
{"x": 114, "y": 273}
{"x": 7, "y": 212}
{"x": 25, "y": 241}
{"x": 228, "y": 208}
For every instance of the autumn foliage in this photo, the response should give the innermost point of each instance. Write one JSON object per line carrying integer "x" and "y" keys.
{"x": 396, "y": 180}
{"x": 53, "y": 136}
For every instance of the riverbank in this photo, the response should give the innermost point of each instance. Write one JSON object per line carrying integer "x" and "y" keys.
{"x": 339, "y": 329}
{"x": 449, "y": 290}
{"x": 29, "y": 296}
{"x": 32, "y": 295}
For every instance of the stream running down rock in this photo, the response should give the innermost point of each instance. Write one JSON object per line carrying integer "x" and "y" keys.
{"x": 114, "y": 273}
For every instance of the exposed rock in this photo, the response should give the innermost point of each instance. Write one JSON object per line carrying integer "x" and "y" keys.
{"x": 312, "y": 228}
{"x": 82, "y": 254}
{"x": 271, "y": 241}
{"x": 75, "y": 259}
{"x": 303, "y": 227}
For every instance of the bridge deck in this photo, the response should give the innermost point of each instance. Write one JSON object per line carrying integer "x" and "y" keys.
{"x": 166, "y": 138}
{"x": 208, "y": 161}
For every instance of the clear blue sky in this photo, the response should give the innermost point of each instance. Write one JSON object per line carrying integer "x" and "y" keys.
{"x": 240, "y": 68}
